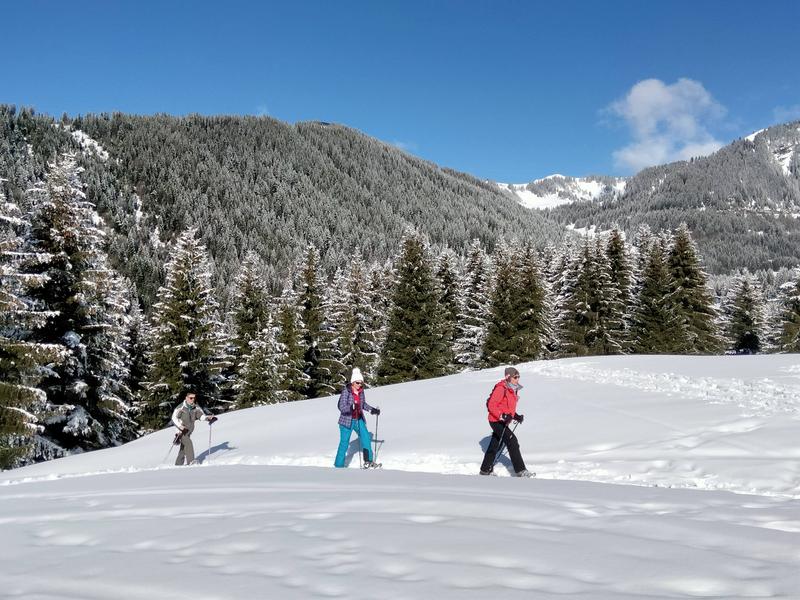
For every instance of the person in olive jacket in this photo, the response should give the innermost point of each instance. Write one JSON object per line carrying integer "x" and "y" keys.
{"x": 502, "y": 407}
{"x": 183, "y": 417}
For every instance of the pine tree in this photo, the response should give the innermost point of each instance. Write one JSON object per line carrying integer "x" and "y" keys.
{"x": 449, "y": 303}
{"x": 692, "y": 303}
{"x": 321, "y": 364}
{"x": 380, "y": 284}
{"x": 259, "y": 381}
{"x": 743, "y": 317}
{"x": 293, "y": 381}
{"x": 413, "y": 349}
{"x": 355, "y": 322}
{"x": 87, "y": 304}
{"x": 187, "y": 343}
{"x": 653, "y": 322}
{"x": 790, "y": 329}
{"x": 22, "y": 362}
{"x": 499, "y": 345}
{"x": 621, "y": 274}
{"x": 591, "y": 313}
{"x": 472, "y": 322}
{"x": 250, "y": 301}
{"x": 533, "y": 327}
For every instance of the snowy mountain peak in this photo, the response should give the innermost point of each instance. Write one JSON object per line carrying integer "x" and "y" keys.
{"x": 783, "y": 142}
{"x": 555, "y": 190}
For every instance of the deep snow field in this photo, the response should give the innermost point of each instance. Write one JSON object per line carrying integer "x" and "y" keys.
{"x": 658, "y": 477}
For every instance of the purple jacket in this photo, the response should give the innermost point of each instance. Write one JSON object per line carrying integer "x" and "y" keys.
{"x": 346, "y": 406}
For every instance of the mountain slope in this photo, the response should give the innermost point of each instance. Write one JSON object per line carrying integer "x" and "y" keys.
{"x": 240, "y": 526}
{"x": 259, "y": 184}
{"x": 556, "y": 190}
{"x": 742, "y": 202}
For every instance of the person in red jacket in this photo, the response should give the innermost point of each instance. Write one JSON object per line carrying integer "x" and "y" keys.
{"x": 502, "y": 405}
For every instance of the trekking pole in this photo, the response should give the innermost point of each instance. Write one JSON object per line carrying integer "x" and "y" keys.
{"x": 208, "y": 457}
{"x": 375, "y": 439}
{"x": 360, "y": 449}
{"x": 502, "y": 446}
{"x": 174, "y": 442}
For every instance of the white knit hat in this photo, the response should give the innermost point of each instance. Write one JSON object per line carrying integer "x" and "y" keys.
{"x": 356, "y": 376}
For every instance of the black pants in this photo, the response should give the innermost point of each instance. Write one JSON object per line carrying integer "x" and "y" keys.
{"x": 511, "y": 443}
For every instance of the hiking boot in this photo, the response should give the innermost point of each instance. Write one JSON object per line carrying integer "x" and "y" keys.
{"x": 482, "y": 472}
{"x": 524, "y": 473}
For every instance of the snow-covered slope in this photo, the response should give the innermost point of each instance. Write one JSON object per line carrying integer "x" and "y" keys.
{"x": 556, "y": 190}
{"x": 266, "y": 516}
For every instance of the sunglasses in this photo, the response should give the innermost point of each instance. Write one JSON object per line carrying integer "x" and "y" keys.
{"x": 358, "y": 383}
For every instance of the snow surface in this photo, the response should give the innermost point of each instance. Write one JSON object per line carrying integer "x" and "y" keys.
{"x": 658, "y": 477}
{"x": 87, "y": 143}
{"x": 572, "y": 189}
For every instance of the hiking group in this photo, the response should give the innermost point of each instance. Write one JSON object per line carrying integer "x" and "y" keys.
{"x": 501, "y": 406}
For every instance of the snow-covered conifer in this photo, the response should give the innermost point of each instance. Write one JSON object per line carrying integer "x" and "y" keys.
{"x": 450, "y": 303}
{"x": 690, "y": 298}
{"x": 743, "y": 317}
{"x": 187, "y": 340}
{"x": 471, "y": 327}
{"x": 653, "y": 322}
{"x": 87, "y": 394}
{"x": 413, "y": 349}
{"x": 22, "y": 362}
{"x": 259, "y": 378}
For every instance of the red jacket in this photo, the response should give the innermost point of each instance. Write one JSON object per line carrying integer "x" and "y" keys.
{"x": 503, "y": 400}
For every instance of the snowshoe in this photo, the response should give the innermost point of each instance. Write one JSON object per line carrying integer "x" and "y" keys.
{"x": 487, "y": 473}
{"x": 371, "y": 465}
{"x": 525, "y": 473}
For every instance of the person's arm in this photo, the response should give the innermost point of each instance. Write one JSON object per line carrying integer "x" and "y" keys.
{"x": 346, "y": 402}
{"x": 367, "y": 408}
{"x": 497, "y": 404}
{"x": 204, "y": 416}
{"x": 175, "y": 420}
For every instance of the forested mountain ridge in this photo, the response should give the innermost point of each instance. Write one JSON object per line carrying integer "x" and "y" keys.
{"x": 255, "y": 183}
{"x": 742, "y": 202}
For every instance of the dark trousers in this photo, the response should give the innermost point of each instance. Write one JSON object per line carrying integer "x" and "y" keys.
{"x": 510, "y": 441}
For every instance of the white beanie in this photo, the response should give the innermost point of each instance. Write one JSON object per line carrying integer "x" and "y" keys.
{"x": 356, "y": 376}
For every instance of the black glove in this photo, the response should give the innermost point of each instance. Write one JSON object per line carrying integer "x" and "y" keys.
{"x": 506, "y": 418}
{"x": 212, "y": 420}
{"x": 184, "y": 430}
{"x": 177, "y": 439}
{"x": 519, "y": 418}
{"x": 375, "y": 411}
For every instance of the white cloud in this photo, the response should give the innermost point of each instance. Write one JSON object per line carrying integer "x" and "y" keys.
{"x": 262, "y": 110}
{"x": 783, "y": 114}
{"x": 667, "y": 122}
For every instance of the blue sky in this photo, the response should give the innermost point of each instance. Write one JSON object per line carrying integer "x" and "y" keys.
{"x": 505, "y": 90}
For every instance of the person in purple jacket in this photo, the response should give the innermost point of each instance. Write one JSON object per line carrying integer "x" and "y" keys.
{"x": 352, "y": 405}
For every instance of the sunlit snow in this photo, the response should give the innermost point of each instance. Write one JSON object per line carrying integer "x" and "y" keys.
{"x": 658, "y": 477}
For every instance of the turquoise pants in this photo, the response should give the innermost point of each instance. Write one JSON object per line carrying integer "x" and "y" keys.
{"x": 345, "y": 433}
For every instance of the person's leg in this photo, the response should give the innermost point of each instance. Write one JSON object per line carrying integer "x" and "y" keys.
{"x": 179, "y": 458}
{"x": 513, "y": 451}
{"x": 188, "y": 449}
{"x": 494, "y": 444}
{"x": 366, "y": 439}
{"x": 344, "y": 442}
